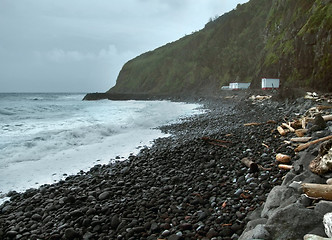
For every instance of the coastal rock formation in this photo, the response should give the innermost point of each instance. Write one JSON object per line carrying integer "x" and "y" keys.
{"x": 290, "y": 212}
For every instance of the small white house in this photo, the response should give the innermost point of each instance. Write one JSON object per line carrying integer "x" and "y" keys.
{"x": 270, "y": 83}
{"x": 238, "y": 86}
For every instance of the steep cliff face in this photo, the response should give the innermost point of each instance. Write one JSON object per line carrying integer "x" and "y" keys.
{"x": 298, "y": 46}
{"x": 289, "y": 39}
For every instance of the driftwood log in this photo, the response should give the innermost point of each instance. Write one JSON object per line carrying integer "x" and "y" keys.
{"x": 317, "y": 191}
{"x": 323, "y": 162}
{"x": 283, "y": 158}
{"x": 301, "y": 139}
{"x": 215, "y": 142}
{"x": 285, "y": 167}
{"x": 252, "y": 124}
{"x": 323, "y": 107}
{"x": 327, "y": 118}
{"x": 304, "y": 121}
{"x": 289, "y": 127}
{"x": 282, "y": 131}
{"x": 311, "y": 119}
{"x": 308, "y": 144}
{"x": 250, "y": 164}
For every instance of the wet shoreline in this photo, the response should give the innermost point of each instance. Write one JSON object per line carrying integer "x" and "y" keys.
{"x": 191, "y": 185}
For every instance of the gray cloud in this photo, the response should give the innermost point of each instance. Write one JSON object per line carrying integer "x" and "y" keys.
{"x": 81, "y": 45}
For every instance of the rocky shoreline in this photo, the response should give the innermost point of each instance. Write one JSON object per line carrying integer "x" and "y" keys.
{"x": 191, "y": 185}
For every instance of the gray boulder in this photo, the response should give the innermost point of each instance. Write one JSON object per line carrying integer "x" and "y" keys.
{"x": 293, "y": 222}
{"x": 280, "y": 196}
{"x": 259, "y": 232}
{"x": 255, "y": 229}
{"x": 324, "y": 207}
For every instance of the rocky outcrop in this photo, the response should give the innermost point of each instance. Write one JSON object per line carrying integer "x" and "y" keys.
{"x": 288, "y": 213}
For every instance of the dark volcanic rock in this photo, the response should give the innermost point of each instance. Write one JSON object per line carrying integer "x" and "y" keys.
{"x": 70, "y": 233}
{"x": 281, "y": 224}
{"x": 287, "y": 212}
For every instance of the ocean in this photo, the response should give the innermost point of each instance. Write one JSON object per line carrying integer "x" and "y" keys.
{"x": 48, "y": 136}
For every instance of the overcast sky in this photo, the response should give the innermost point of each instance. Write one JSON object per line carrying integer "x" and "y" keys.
{"x": 81, "y": 45}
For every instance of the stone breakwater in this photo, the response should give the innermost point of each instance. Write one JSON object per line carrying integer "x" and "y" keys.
{"x": 183, "y": 187}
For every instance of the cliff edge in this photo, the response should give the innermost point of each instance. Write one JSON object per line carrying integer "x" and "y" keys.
{"x": 286, "y": 39}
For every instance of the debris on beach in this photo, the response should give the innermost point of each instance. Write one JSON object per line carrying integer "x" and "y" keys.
{"x": 323, "y": 162}
{"x": 306, "y": 189}
{"x": 317, "y": 191}
{"x": 308, "y": 144}
{"x": 250, "y": 164}
{"x": 283, "y": 158}
{"x": 260, "y": 98}
{"x": 216, "y": 142}
{"x": 313, "y": 120}
{"x": 318, "y": 98}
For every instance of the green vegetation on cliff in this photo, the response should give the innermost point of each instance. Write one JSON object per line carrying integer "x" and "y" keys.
{"x": 289, "y": 39}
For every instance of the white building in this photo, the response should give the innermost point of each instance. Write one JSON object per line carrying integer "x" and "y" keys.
{"x": 238, "y": 86}
{"x": 270, "y": 83}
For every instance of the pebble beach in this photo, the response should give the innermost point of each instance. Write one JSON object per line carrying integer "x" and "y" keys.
{"x": 191, "y": 185}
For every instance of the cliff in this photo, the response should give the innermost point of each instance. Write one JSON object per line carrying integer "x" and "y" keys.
{"x": 286, "y": 39}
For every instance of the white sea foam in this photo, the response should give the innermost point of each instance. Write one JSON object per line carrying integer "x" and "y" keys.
{"x": 44, "y": 136}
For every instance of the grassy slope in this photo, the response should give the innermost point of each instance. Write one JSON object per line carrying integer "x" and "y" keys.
{"x": 290, "y": 39}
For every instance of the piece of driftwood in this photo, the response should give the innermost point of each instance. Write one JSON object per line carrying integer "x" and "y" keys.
{"x": 283, "y": 158}
{"x": 288, "y": 126}
{"x": 257, "y": 123}
{"x": 271, "y": 122}
{"x": 263, "y": 168}
{"x": 216, "y": 142}
{"x": 265, "y": 145}
{"x": 327, "y": 118}
{"x": 301, "y": 139}
{"x": 304, "y": 122}
{"x": 308, "y": 144}
{"x": 285, "y": 166}
{"x": 296, "y": 124}
{"x": 301, "y": 132}
{"x": 281, "y": 131}
{"x": 252, "y": 124}
{"x": 323, "y": 162}
{"x": 323, "y": 107}
{"x": 317, "y": 191}
{"x": 250, "y": 164}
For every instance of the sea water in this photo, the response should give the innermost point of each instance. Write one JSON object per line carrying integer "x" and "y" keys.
{"x": 45, "y": 137}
